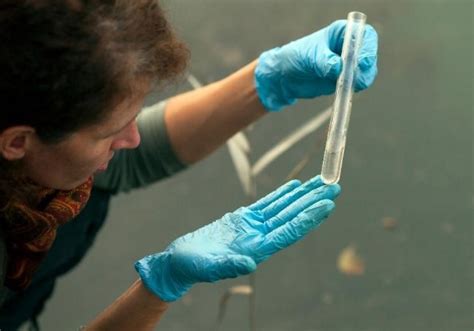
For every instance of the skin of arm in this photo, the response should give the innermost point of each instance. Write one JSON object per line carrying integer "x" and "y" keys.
{"x": 200, "y": 121}
{"x": 136, "y": 309}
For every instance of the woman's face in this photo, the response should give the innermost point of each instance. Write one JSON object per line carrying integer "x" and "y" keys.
{"x": 71, "y": 162}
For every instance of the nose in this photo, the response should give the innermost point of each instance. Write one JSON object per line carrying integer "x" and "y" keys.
{"x": 129, "y": 138}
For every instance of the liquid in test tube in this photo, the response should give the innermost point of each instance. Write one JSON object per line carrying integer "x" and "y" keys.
{"x": 341, "y": 112}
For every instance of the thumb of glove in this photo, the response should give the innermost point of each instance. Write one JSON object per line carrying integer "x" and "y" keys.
{"x": 328, "y": 65}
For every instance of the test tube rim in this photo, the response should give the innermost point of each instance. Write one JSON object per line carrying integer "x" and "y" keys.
{"x": 357, "y": 16}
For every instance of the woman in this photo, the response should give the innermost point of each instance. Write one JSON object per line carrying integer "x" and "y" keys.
{"x": 74, "y": 74}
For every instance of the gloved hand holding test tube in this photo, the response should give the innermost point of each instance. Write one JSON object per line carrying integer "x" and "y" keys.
{"x": 336, "y": 139}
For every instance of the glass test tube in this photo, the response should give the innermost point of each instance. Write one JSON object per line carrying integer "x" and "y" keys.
{"x": 341, "y": 112}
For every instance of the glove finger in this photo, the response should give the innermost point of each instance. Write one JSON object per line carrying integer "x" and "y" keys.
{"x": 328, "y": 62}
{"x": 328, "y": 65}
{"x": 229, "y": 266}
{"x": 284, "y": 200}
{"x": 335, "y": 35}
{"x": 281, "y": 191}
{"x": 290, "y": 212}
{"x": 298, "y": 227}
{"x": 368, "y": 51}
{"x": 365, "y": 79}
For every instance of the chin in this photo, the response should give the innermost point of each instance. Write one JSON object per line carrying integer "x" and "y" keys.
{"x": 63, "y": 185}
{"x": 58, "y": 182}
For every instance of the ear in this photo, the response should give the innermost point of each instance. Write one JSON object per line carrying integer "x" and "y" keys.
{"x": 14, "y": 142}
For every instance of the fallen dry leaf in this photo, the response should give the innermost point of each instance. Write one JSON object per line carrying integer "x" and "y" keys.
{"x": 350, "y": 263}
{"x": 389, "y": 223}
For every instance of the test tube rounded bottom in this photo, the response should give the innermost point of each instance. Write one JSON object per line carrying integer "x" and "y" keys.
{"x": 332, "y": 164}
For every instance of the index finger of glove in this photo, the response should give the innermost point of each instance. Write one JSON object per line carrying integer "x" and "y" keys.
{"x": 268, "y": 199}
{"x": 368, "y": 53}
{"x": 367, "y": 61}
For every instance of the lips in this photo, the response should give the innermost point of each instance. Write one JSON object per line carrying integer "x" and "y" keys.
{"x": 104, "y": 166}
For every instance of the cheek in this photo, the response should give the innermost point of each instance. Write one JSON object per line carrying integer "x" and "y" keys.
{"x": 95, "y": 156}
{"x": 103, "y": 151}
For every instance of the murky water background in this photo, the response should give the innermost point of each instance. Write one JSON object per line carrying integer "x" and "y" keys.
{"x": 409, "y": 157}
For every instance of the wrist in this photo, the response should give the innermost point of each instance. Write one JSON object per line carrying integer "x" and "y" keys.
{"x": 150, "y": 298}
{"x": 269, "y": 79}
{"x": 157, "y": 277}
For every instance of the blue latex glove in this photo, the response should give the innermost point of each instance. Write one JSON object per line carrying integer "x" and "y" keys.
{"x": 309, "y": 67}
{"x": 236, "y": 243}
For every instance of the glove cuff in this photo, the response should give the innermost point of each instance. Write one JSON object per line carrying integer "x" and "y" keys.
{"x": 268, "y": 82}
{"x": 155, "y": 273}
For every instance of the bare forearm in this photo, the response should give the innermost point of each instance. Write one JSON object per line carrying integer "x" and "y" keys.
{"x": 200, "y": 121}
{"x": 136, "y": 309}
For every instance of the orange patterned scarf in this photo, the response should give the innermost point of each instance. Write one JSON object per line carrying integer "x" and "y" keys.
{"x": 30, "y": 231}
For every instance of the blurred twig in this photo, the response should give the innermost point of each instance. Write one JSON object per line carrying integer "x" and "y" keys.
{"x": 290, "y": 140}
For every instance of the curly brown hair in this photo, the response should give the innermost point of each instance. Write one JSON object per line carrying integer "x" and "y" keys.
{"x": 65, "y": 64}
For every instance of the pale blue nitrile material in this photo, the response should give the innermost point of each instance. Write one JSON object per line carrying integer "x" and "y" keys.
{"x": 309, "y": 67}
{"x": 236, "y": 243}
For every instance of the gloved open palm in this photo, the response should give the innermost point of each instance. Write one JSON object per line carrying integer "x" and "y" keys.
{"x": 309, "y": 67}
{"x": 236, "y": 243}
